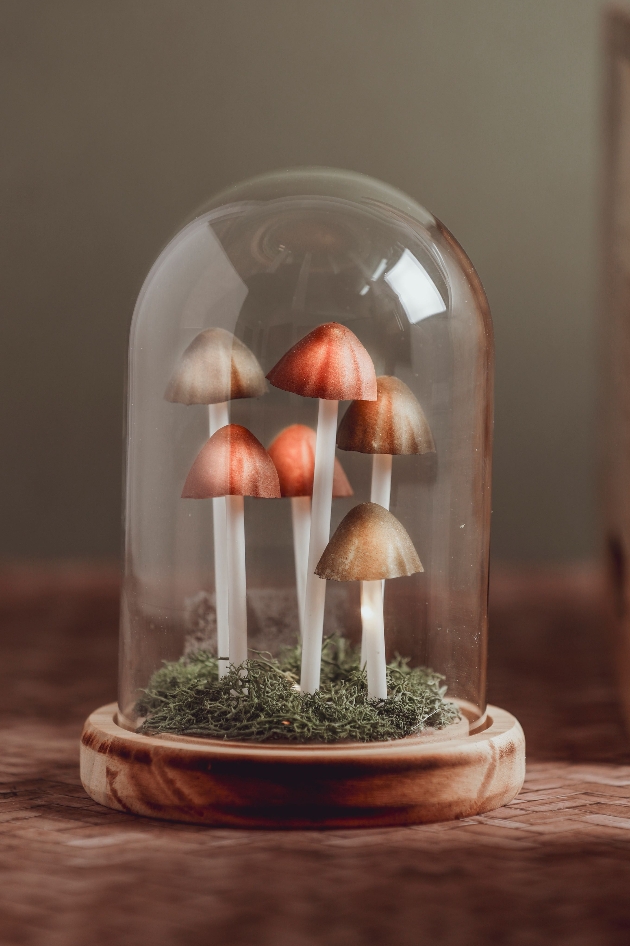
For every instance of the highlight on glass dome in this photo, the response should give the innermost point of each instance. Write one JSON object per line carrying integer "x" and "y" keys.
{"x": 307, "y": 504}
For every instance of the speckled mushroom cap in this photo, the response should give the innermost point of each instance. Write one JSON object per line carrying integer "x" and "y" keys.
{"x": 369, "y": 544}
{"x": 215, "y": 367}
{"x": 293, "y": 453}
{"x": 394, "y": 423}
{"x": 330, "y": 363}
{"x": 232, "y": 463}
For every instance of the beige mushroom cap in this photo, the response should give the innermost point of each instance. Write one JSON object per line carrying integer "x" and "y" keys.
{"x": 215, "y": 367}
{"x": 369, "y": 544}
{"x": 394, "y": 423}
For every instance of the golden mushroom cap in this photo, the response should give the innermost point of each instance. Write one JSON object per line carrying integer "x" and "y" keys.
{"x": 215, "y": 367}
{"x": 369, "y": 544}
{"x": 330, "y": 363}
{"x": 394, "y": 423}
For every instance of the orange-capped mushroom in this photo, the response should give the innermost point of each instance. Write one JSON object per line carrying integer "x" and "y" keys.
{"x": 293, "y": 454}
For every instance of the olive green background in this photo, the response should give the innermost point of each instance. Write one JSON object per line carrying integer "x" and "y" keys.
{"x": 118, "y": 117}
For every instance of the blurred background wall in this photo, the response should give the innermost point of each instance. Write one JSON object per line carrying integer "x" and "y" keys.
{"x": 118, "y": 117}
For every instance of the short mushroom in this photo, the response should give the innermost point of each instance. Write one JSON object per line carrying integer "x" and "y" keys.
{"x": 331, "y": 364}
{"x": 216, "y": 368}
{"x": 370, "y": 545}
{"x": 293, "y": 453}
{"x": 394, "y": 424}
{"x": 233, "y": 464}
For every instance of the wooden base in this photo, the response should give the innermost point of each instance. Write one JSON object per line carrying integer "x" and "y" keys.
{"x": 351, "y": 785}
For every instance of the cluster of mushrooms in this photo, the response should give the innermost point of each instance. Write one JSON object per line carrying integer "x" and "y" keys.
{"x": 370, "y": 545}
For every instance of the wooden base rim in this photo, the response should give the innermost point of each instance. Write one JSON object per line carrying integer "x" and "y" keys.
{"x": 203, "y": 781}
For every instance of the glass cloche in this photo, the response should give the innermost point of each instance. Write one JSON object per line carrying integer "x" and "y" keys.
{"x": 308, "y": 469}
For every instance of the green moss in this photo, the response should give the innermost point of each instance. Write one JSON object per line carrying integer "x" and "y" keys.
{"x": 187, "y": 697}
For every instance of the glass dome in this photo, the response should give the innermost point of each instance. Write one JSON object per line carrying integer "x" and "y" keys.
{"x": 309, "y": 437}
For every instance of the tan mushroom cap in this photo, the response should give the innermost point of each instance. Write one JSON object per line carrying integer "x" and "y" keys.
{"x": 232, "y": 463}
{"x": 215, "y": 367}
{"x": 394, "y": 423}
{"x": 369, "y": 544}
{"x": 330, "y": 363}
{"x": 293, "y": 453}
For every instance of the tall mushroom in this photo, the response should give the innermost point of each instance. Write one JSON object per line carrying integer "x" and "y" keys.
{"x": 331, "y": 364}
{"x": 234, "y": 464}
{"x": 370, "y": 545}
{"x": 293, "y": 453}
{"x": 394, "y": 424}
{"x": 216, "y": 368}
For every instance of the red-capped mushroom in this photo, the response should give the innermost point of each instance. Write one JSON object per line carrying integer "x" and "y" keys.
{"x": 370, "y": 545}
{"x": 293, "y": 454}
{"x": 216, "y": 368}
{"x": 234, "y": 464}
{"x": 331, "y": 364}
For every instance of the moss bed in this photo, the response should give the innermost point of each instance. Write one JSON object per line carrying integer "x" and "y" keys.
{"x": 259, "y": 702}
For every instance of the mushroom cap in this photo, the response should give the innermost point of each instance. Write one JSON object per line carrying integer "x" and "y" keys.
{"x": 369, "y": 544}
{"x": 293, "y": 453}
{"x": 330, "y": 363}
{"x": 215, "y": 367}
{"x": 394, "y": 423}
{"x": 232, "y": 463}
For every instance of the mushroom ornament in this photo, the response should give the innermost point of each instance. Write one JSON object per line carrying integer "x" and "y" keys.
{"x": 233, "y": 464}
{"x": 216, "y": 368}
{"x": 331, "y": 364}
{"x": 392, "y": 425}
{"x": 293, "y": 453}
{"x": 370, "y": 545}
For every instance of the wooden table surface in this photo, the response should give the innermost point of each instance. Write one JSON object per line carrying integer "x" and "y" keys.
{"x": 552, "y": 868}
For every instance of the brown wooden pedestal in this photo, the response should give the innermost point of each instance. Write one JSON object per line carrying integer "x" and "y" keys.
{"x": 204, "y": 781}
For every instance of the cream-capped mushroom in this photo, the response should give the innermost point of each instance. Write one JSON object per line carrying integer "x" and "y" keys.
{"x": 216, "y": 367}
{"x": 331, "y": 364}
{"x": 293, "y": 453}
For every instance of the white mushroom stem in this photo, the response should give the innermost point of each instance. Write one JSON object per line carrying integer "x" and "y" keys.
{"x": 301, "y": 515}
{"x": 315, "y": 598}
{"x": 237, "y": 590}
{"x": 374, "y": 638}
{"x": 218, "y": 417}
{"x": 381, "y": 479}
{"x": 381, "y": 492}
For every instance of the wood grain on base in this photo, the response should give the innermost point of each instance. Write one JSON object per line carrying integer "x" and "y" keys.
{"x": 407, "y": 781}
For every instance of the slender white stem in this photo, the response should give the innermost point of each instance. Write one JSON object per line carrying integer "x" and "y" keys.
{"x": 237, "y": 590}
{"x": 315, "y": 599}
{"x": 380, "y": 493}
{"x": 301, "y": 515}
{"x": 218, "y": 417}
{"x": 381, "y": 479}
{"x": 374, "y": 637}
